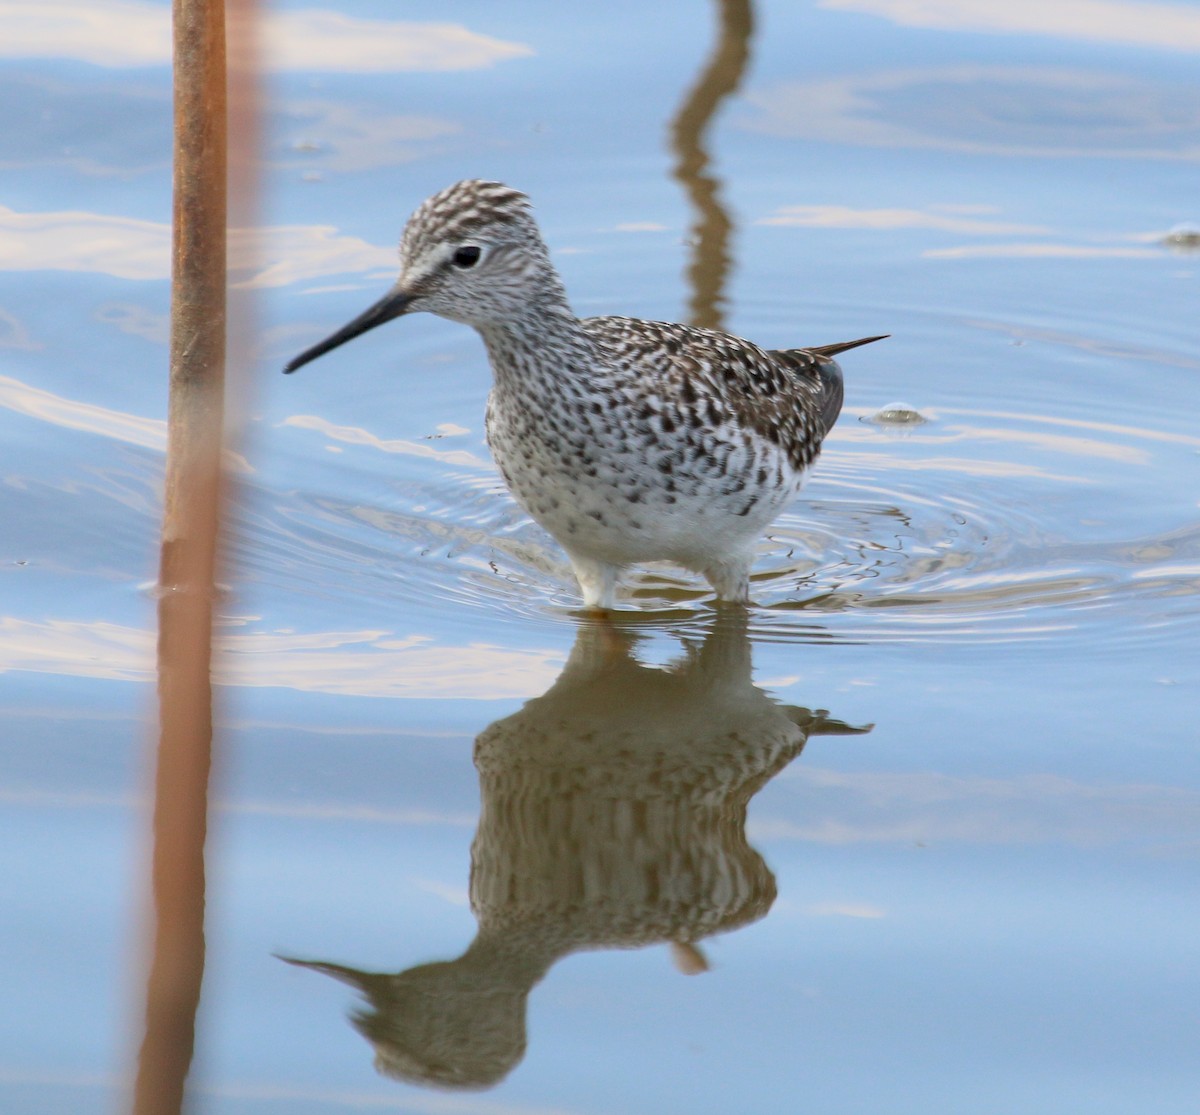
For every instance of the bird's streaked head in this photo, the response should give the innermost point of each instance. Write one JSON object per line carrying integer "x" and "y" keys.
{"x": 471, "y": 253}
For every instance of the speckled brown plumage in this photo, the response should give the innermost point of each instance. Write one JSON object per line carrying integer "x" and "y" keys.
{"x": 628, "y": 440}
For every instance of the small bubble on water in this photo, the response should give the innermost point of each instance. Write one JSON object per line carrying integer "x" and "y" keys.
{"x": 897, "y": 414}
{"x": 1183, "y": 238}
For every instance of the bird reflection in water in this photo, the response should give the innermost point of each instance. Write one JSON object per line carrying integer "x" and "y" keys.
{"x": 613, "y": 816}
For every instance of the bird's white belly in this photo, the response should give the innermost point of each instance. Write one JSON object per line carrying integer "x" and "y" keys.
{"x": 615, "y": 504}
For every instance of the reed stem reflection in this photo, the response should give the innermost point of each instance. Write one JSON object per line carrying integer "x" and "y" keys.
{"x": 709, "y": 267}
{"x": 613, "y": 816}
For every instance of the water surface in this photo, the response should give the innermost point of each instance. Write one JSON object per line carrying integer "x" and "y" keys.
{"x": 921, "y": 833}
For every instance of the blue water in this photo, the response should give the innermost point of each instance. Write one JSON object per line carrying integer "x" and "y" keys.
{"x": 980, "y": 900}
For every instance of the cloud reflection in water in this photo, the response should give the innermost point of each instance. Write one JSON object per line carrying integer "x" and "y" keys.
{"x": 988, "y": 110}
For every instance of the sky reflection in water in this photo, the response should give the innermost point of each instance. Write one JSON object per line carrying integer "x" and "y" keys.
{"x": 986, "y": 902}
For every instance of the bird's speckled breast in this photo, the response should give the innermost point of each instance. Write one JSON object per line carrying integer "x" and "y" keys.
{"x": 598, "y": 460}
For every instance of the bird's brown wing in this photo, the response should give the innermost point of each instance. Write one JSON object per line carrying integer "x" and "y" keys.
{"x": 816, "y": 367}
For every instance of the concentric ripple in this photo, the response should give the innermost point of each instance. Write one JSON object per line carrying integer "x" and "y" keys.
{"x": 977, "y": 525}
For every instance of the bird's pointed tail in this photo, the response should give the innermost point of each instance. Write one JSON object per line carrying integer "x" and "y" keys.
{"x": 845, "y": 346}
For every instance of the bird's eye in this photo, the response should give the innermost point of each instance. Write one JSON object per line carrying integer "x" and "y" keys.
{"x": 466, "y": 257}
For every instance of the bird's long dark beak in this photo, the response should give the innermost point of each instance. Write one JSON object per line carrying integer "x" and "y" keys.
{"x": 391, "y": 305}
